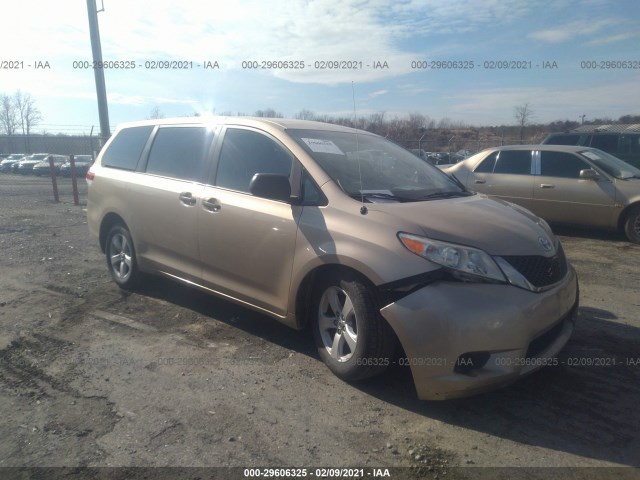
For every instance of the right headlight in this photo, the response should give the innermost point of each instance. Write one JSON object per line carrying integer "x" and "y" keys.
{"x": 466, "y": 263}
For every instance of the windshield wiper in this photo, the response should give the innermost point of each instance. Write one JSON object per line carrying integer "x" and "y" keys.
{"x": 383, "y": 195}
{"x": 437, "y": 195}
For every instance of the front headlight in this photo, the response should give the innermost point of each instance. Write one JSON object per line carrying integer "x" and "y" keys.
{"x": 464, "y": 262}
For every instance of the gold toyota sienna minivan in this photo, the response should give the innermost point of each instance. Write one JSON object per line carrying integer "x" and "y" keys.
{"x": 336, "y": 228}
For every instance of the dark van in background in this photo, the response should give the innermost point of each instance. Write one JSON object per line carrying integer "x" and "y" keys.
{"x": 622, "y": 141}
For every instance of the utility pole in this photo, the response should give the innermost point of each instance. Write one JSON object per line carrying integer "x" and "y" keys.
{"x": 101, "y": 90}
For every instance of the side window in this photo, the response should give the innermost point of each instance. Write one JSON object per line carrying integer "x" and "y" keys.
{"x": 561, "y": 164}
{"x": 516, "y": 162}
{"x": 608, "y": 143}
{"x": 630, "y": 144}
{"x": 245, "y": 153}
{"x": 486, "y": 166}
{"x": 179, "y": 152}
{"x": 125, "y": 150}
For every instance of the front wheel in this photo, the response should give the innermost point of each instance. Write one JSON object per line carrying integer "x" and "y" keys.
{"x": 632, "y": 225}
{"x": 352, "y": 338}
{"x": 121, "y": 258}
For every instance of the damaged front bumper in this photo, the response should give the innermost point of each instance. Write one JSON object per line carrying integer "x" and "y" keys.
{"x": 466, "y": 338}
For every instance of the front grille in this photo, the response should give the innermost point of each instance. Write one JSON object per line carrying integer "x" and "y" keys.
{"x": 538, "y": 270}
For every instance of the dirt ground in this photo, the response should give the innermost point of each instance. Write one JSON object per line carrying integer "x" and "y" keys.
{"x": 94, "y": 377}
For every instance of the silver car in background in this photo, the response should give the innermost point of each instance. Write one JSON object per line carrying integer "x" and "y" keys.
{"x": 563, "y": 184}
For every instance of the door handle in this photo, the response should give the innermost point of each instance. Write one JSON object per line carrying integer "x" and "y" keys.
{"x": 187, "y": 198}
{"x": 547, "y": 185}
{"x": 211, "y": 204}
{"x": 480, "y": 181}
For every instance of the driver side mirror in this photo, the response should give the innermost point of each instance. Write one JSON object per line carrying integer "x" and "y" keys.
{"x": 589, "y": 174}
{"x": 271, "y": 186}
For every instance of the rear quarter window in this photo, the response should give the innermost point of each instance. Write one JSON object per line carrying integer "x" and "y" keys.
{"x": 126, "y": 148}
{"x": 486, "y": 165}
{"x": 515, "y": 162}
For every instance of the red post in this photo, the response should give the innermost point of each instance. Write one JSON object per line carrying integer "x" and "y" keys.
{"x": 54, "y": 182}
{"x": 74, "y": 180}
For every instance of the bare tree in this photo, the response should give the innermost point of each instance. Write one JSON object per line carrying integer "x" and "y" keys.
{"x": 416, "y": 121}
{"x": 305, "y": 114}
{"x": 523, "y": 115}
{"x": 444, "y": 123}
{"x": 155, "y": 113}
{"x": 26, "y": 111}
{"x": 8, "y": 115}
{"x": 268, "y": 113}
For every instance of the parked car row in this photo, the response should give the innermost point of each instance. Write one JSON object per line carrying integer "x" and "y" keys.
{"x": 7, "y": 163}
{"x": 444, "y": 158}
{"x": 44, "y": 168}
{"x": 441, "y": 158}
{"x": 38, "y": 164}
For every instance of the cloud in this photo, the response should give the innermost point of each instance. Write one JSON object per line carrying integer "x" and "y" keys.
{"x": 377, "y": 93}
{"x": 597, "y": 42}
{"x": 313, "y": 32}
{"x": 575, "y": 29}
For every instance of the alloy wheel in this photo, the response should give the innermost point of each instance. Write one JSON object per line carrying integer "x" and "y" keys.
{"x": 120, "y": 256}
{"x": 338, "y": 324}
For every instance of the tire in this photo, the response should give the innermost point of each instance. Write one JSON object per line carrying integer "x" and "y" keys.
{"x": 632, "y": 225}
{"x": 352, "y": 338}
{"x": 121, "y": 258}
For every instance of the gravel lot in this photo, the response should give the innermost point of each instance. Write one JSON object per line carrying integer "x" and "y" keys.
{"x": 91, "y": 376}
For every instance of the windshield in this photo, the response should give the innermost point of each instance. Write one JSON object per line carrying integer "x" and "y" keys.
{"x": 38, "y": 156}
{"x": 369, "y": 167}
{"x": 611, "y": 165}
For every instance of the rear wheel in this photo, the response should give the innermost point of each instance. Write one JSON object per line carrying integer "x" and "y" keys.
{"x": 632, "y": 225}
{"x": 352, "y": 338}
{"x": 121, "y": 258}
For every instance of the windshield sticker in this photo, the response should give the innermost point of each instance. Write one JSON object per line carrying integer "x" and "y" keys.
{"x": 322, "y": 146}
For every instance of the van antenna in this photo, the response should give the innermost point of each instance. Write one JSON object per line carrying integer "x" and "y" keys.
{"x": 363, "y": 208}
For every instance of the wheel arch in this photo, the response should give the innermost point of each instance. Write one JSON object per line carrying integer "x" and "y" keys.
{"x": 622, "y": 219}
{"x": 304, "y": 294}
{"x": 108, "y": 222}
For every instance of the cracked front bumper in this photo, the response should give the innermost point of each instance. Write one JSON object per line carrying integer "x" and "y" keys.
{"x": 518, "y": 330}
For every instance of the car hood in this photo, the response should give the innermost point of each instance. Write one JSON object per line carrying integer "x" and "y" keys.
{"x": 497, "y": 227}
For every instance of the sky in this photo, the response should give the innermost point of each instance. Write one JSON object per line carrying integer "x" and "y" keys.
{"x": 473, "y": 61}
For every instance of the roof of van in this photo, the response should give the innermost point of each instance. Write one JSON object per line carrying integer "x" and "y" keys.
{"x": 280, "y": 123}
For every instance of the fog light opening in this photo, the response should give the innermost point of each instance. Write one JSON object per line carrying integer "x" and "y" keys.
{"x": 470, "y": 361}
